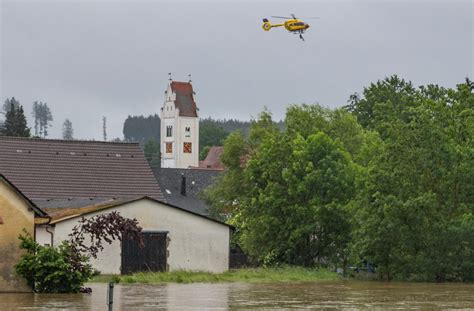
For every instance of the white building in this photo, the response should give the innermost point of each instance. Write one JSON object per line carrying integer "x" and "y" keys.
{"x": 179, "y": 127}
{"x": 73, "y": 179}
{"x": 175, "y": 238}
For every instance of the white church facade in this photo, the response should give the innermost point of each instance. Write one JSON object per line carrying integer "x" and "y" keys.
{"x": 179, "y": 127}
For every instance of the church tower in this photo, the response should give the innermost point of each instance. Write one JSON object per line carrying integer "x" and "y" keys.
{"x": 179, "y": 127}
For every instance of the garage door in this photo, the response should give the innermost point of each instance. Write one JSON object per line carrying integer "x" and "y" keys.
{"x": 152, "y": 257}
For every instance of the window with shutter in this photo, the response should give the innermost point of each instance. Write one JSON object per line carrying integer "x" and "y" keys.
{"x": 188, "y": 148}
{"x": 169, "y": 147}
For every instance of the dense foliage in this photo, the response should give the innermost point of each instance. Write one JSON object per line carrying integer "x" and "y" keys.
{"x": 65, "y": 268}
{"x": 53, "y": 269}
{"x": 388, "y": 180}
{"x": 15, "y": 120}
{"x": 212, "y": 132}
{"x": 142, "y": 129}
{"x": 152, "y": 153}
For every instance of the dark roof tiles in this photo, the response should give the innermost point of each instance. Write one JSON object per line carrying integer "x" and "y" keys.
{"x": 197, "y": 180}
{"x": 52, "y": 169}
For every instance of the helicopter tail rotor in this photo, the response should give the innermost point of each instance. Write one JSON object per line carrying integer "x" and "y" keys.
{"x": 266, "y": 25}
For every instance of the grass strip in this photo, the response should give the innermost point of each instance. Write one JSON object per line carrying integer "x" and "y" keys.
{"x": 255, "y": 275}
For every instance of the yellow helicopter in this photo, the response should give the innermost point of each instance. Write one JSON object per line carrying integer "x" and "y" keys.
{"x": 292, "y": 24}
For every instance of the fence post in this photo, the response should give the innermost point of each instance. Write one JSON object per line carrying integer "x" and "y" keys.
{"x": 110, "y": 296}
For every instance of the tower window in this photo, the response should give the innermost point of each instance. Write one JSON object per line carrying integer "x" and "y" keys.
{"x": 169, "y": 147}
{"x": 188, "y": 148}
{"x": 187, "y": 131}
{"x": 169, "y": 131}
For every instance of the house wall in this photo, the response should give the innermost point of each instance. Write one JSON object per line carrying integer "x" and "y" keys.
{"x": 16, "y": 216}
{"x": 43, "y": 237}
{"x": 195, "y": 243}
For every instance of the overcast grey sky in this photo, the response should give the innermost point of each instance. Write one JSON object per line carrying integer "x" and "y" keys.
{"x": 87, "y": 59}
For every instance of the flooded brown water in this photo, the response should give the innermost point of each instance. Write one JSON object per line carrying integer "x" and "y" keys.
{"x": 347, "y": 295}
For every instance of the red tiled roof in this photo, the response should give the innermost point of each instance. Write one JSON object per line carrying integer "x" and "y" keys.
{"x": 213, "y": 159}
{"x": 47, "y": 169}
{"x": 184, "y": 98}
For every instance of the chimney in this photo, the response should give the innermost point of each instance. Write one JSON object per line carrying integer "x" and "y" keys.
{"x": 183, "y": 184}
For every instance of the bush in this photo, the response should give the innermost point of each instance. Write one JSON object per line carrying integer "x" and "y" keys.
{"x": 53, "y": 269}
{"x": 66, "y": 268}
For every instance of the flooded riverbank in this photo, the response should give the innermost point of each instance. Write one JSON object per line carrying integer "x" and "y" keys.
{"x": 350, "y": 295}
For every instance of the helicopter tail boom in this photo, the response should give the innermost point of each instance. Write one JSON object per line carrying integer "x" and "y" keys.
{"x": 267, "y": 25}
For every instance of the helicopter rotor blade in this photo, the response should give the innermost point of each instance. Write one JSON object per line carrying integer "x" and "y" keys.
{"x": 284, "y": 17}
{"x": 293, "y": 15}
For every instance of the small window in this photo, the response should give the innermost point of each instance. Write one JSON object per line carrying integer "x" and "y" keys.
{"x": 187, "y": 131}
{"x": 188, "y": 148}
{"x": 169, "y": 131}
{"x": 169, "y": 147}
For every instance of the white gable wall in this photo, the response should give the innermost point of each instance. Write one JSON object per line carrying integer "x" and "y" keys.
{"x": 196, "y": 243}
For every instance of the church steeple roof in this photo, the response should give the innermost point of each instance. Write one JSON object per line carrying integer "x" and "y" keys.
{"x": 184, "y": 98}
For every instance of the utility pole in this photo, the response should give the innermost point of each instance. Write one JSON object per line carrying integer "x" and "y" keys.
{"x": 104, "y": 127}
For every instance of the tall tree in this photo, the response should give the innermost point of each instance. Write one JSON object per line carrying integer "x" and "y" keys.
{"x": 68, "y": 132}
{"x": 381, "y": 101}
{"x": 43, "y": 118}
{"x": 15, "y": 122}
{"x": 36, "y": 116}
{"x": 287, "y": 192}
{"x": 414, "y": 216}
{"x": 8, "y": 104}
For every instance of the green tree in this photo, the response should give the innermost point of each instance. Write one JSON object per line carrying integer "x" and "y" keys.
{"x": 417, "y": 198}
{"x": 152, "y": 153}
{"x": 298, "y": 193}
{"x": 7, "y": 105}
{"x": 210, "y": 135}
{"x": 285, "y": 192}
{"x": 68, "y": 132}
{"x": 381, "y": 101}
{"x": 142, "y": 129}
{"x": 224, "y": 196}
{"x": 203, "y": 153}
{"x": 15, "y": 122}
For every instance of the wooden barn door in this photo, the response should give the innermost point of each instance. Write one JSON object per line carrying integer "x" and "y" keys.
{"x": 152, "y": 257}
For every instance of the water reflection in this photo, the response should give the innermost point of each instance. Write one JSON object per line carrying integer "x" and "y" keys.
{"x": 349, "y": 295}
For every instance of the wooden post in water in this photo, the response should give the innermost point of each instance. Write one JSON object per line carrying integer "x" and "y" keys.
{"x": 110, "y": 296}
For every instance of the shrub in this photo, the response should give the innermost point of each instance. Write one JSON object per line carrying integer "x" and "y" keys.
{"x": 65, "y": 269}
{"x": 53, "y": 269}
